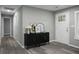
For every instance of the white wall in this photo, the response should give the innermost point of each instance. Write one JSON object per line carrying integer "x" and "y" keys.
{"x": 17, "y": 26}
{"x": 35, "y": 15}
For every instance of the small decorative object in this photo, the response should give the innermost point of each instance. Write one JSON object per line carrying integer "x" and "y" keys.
{"x": 28, "y": 29}
{"x": 33, "y": 28}
{"x": 40, "y": 27}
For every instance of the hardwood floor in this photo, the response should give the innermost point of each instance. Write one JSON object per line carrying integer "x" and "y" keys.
{"x": 8, "y": 45}
{"x": 54, "y": 48}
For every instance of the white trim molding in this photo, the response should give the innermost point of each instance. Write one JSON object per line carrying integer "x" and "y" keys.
{"x": 51, "y": 40}
{"x": 76, "y": 13}
{"x": 19, "y": 43}
{"x": 68, "y": 44}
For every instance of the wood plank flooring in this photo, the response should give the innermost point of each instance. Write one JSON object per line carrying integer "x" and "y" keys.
{"x": 8, "y": 45}
{"x": 54, "y": 48}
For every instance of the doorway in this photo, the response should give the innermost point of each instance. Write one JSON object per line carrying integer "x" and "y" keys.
{"x": 62, "y": 27}
{"x": 7, "y": 25}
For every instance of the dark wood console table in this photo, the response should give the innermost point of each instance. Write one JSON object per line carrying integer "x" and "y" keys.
{"x": 35, "y": 39}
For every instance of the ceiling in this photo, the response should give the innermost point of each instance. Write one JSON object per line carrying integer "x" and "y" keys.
{"x": 5, "y": 8}
{"x": 52, "y": 7}
{"x": 45, "y": 7}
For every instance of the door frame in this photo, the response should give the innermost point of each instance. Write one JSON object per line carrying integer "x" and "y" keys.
{"x": 76, "y": 33}
{"x": 2, "y": 19}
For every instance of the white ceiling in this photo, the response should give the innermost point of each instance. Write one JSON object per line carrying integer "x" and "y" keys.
{"x": 11, "y": 6}
{"x": 51, "y": 7}
{"x": 4, "y": 11}
{"x": 46, "y": 7}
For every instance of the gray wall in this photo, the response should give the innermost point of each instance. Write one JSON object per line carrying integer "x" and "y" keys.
{"x": 71, "y": 24}
{"x": 17, "y": 26}
{"x": 28, "y": 15}
{"x": 34, "y": 15}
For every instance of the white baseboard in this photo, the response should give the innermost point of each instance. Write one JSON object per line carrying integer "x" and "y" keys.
{"x": 69, "y": 44}
{"x": 73, "y": 46}
{"x": 19, "y": 43}
{"x": 51, "y": 40}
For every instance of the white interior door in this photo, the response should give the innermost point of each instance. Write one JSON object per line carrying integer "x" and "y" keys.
{"x": 62, "y": 27}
